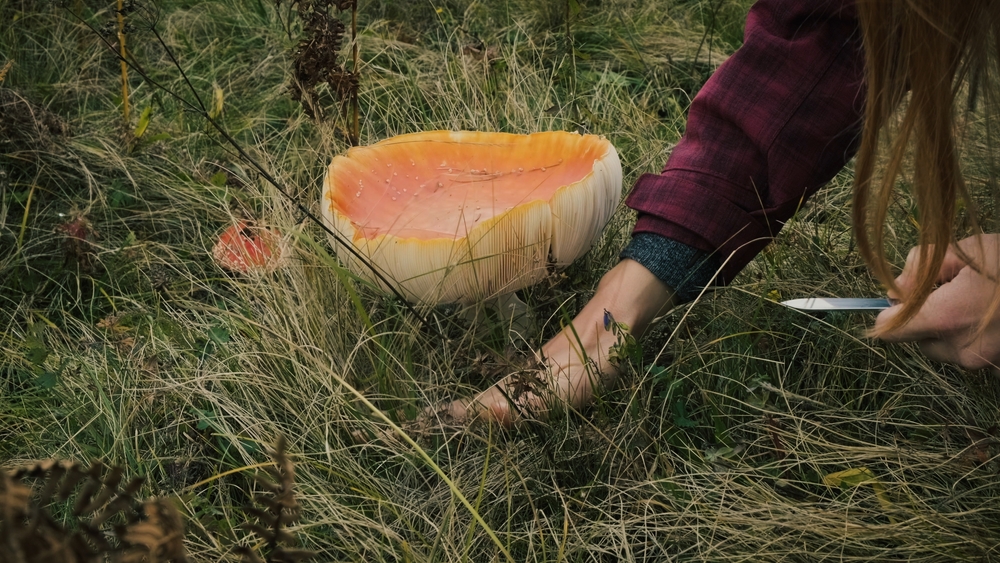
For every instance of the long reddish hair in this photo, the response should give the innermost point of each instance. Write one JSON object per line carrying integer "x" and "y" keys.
{"x": 920, "y": 55}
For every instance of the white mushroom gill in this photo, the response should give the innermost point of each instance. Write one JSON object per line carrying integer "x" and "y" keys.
{"x": 581, "y": 210}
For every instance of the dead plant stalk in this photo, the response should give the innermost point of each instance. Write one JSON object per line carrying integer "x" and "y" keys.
{"x": 124, "y": 65}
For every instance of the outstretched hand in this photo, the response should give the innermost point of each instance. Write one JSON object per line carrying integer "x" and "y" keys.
{"x": 577, "y": 361}
{"x": 946, "y": 328}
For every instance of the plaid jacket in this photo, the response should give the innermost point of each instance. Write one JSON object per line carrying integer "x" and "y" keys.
{"x": 775, "y": 122}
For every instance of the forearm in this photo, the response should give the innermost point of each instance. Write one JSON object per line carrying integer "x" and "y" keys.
{"x": 578, "y": 357}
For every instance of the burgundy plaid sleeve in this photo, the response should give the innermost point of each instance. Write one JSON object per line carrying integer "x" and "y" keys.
{"x": 774, "y": 123}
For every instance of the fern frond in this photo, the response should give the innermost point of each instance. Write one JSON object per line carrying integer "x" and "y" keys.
{"x": 275, "y": 510}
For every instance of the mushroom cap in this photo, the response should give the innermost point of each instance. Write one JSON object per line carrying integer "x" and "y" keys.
{"x": 460, "y": 216}
{"x": 245, "y": 248}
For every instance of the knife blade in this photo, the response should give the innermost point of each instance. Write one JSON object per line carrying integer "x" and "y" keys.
{"x": 814, "y": 304}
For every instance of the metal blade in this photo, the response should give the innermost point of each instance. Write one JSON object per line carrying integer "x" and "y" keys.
{"x": 838, "y": 304}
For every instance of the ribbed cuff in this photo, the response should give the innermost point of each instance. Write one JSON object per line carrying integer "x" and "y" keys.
{"x": 682, "y": 268}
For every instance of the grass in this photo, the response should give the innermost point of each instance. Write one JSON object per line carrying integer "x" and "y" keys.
{"x": 748, "y": 432}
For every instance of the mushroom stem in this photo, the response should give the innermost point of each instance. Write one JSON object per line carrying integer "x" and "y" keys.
{"x": 515, "y": 314}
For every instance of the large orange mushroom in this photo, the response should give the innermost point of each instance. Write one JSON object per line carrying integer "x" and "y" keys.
{"x": 459, "y": 217}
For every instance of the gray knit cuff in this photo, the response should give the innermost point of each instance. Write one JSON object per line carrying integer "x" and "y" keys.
{"x": 682, "y": 268}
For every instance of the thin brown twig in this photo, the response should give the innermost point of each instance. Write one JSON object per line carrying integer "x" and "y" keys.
{"x": 124, "y": 65}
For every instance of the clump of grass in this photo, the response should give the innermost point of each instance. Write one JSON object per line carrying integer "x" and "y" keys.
{"x": 745, "y": 431}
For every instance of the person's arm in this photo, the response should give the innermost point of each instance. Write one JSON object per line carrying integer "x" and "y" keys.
{"x": 775, "y": 122}
{"x": 577, "y": 359}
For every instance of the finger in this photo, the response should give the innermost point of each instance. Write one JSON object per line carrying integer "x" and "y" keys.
{"x": 934, "y": 320}
{"x": 948, "y": 351}
{"x": 508, "y": 402}
{"x": 458, "y": 412}
{"x": 980, "y": 351}
{"x": 886, "y": 318}
{"x": 950, "y": 267}
{"x": 494, "y": 405}
{"x": 970, "y": 359}
{"x": 950, "y": 311}
{"x": 975, "y": 246}
{"x": 980, "y": 250}
{"x": 908, "y": 278}
{"x": 939, "y": 350}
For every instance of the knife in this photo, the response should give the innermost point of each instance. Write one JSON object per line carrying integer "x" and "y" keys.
{"x": 814, "y": 304}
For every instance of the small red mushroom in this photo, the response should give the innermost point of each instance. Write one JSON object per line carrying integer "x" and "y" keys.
{"x": 243, "y": 248}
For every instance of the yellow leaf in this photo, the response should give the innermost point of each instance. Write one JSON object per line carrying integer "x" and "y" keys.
{"x": 143, "y": 121}
{"x": 849, "y": 477}
{"x": 857, "y": 477}
{"x": 774, "y": 295}
{"x": 6, "y": 69}
{"x": 439, "y": 10}
{"x": 217, "y": 100}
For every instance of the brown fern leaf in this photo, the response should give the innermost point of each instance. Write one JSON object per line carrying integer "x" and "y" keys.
{"x": 277, "y": 509}
{"x": 249, "y": 555}
{"x": 157, "y": 538}
{"x": 316, "y": 60}
{"x": 291, "y": 555}
{"x": 316, "y": 55}
{"x": 13, "y": 515}
{"x": 273, "y": 536}
{"x": 344, "y": 84}
{"x": 29, "y": 533}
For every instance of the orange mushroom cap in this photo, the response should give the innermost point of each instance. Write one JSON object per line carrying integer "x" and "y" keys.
{"x": 459, "y": 216}
{"x": 244, "y": 248}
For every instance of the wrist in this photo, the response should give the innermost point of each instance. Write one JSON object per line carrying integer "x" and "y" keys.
{"x": 683, "y": 268}
{"x": 633, "y": 295}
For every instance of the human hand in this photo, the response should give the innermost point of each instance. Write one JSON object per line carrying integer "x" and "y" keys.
{"x": 947, "y": 326}
{"x": 576, "y": 362}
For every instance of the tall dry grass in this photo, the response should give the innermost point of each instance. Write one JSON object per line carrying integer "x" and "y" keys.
{"x": 749, "y": 432}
